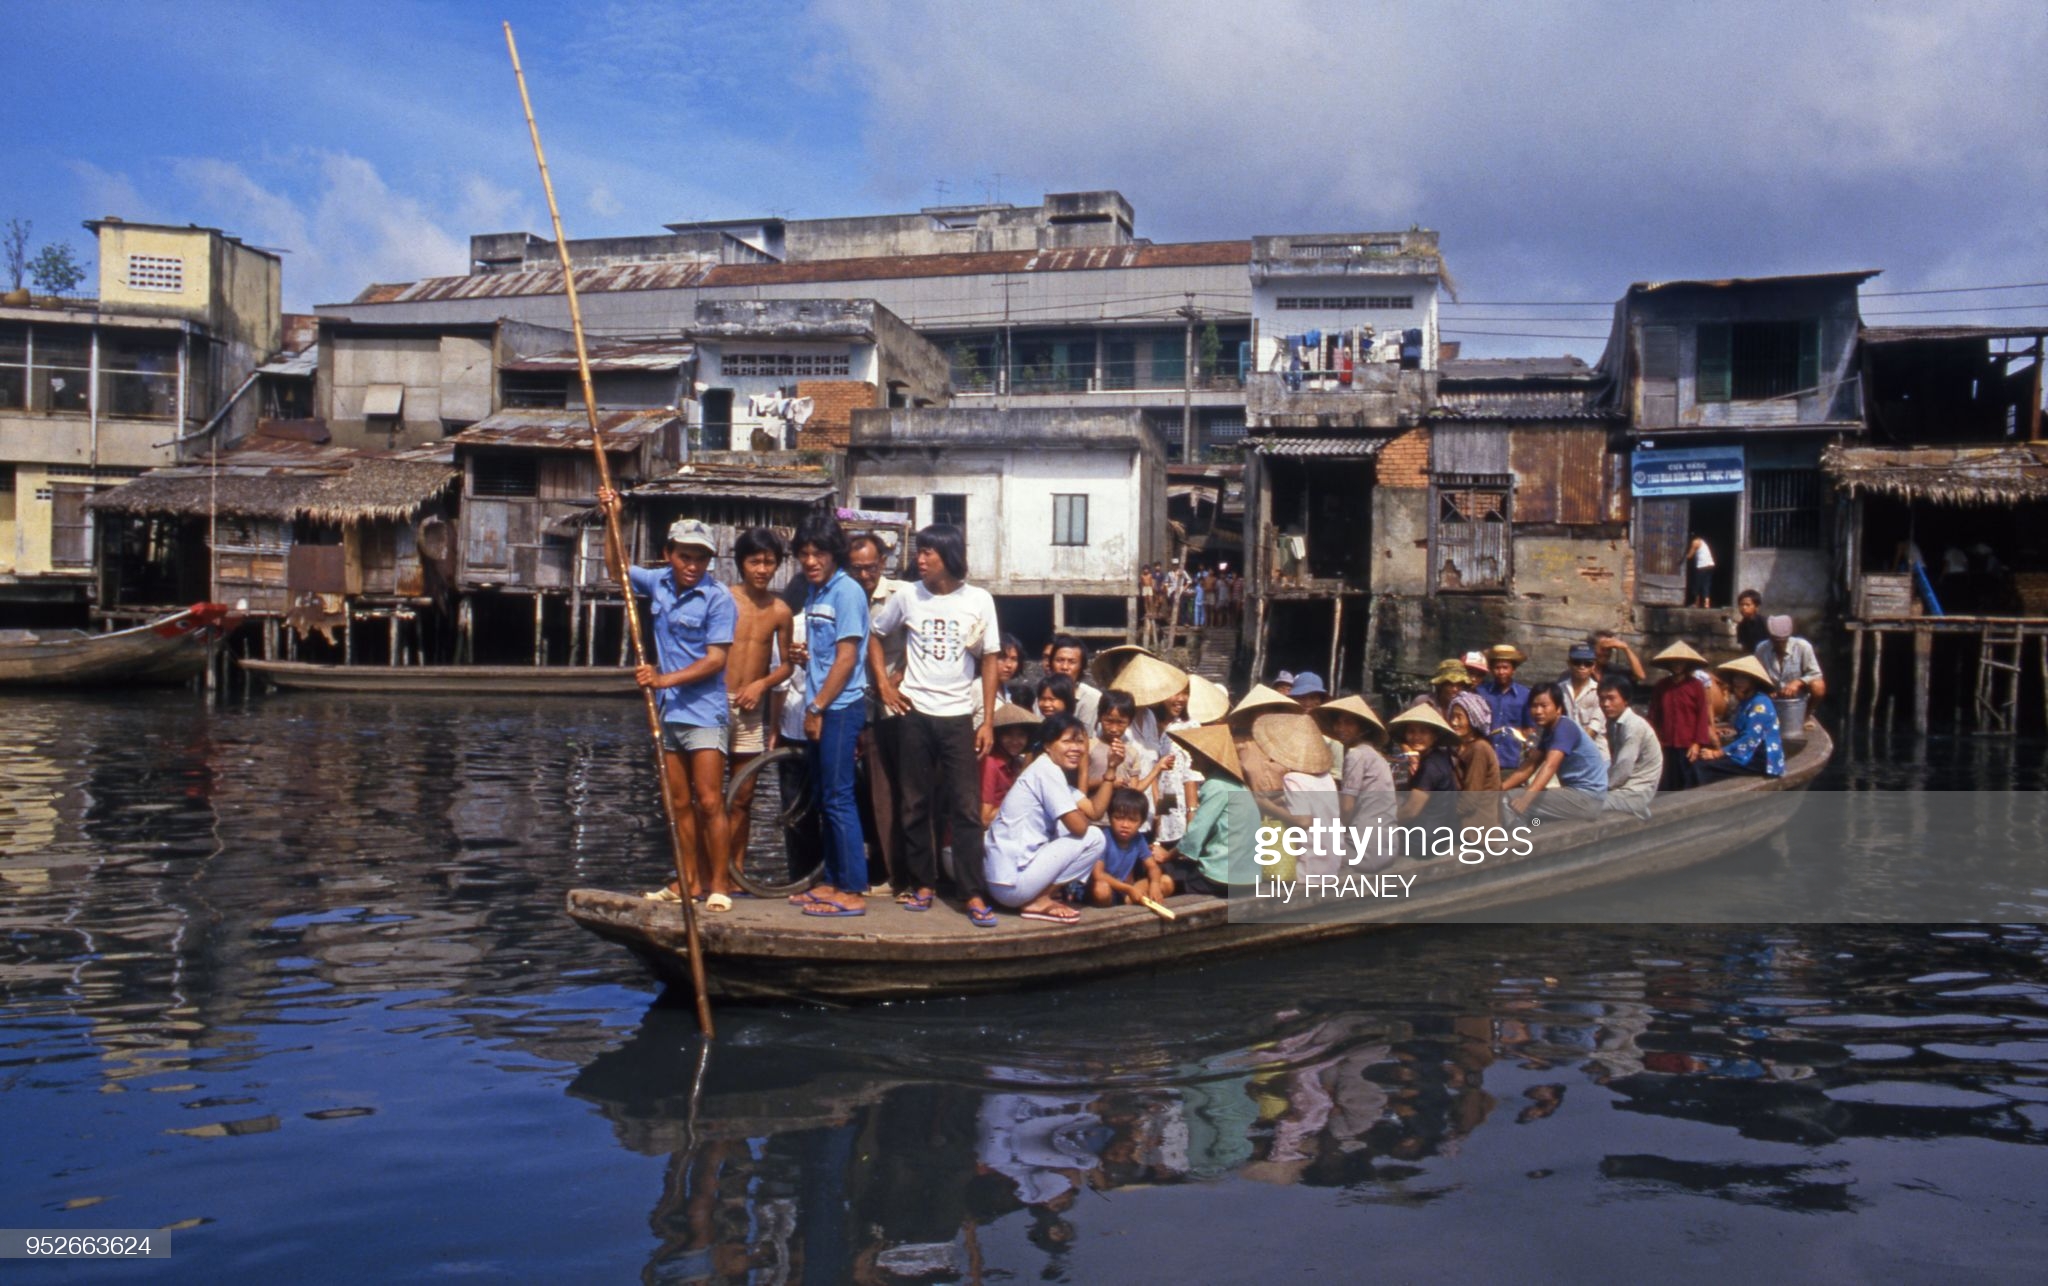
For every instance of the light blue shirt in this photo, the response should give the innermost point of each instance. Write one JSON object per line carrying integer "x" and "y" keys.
{"x": 687, "y": 623}
{"x": 836, "y": 610}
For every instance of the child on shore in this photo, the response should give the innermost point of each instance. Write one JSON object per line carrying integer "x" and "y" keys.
{"x": 1129, "y": 868}
{"x": 1006, "y": 758}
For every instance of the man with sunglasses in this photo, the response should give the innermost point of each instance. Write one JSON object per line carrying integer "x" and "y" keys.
{"x": 1580, "y": 685}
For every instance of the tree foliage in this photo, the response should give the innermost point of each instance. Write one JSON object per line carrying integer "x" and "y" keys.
{"x": 14, "y": 243}
{"x": 56, "y": 270}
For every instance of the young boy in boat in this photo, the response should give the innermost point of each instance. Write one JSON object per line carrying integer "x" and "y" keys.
{"x": 946, "y": 706}
{"x": 692, "y": 621}
{"x": 762, "y": 633}
{"x": 1129, "y": 868}
{"x": 1135, "y": 766}
{"x": 835, "y": 638}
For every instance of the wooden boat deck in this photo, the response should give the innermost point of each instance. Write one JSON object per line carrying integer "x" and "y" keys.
{"x": 766, "y": 949}
{"x": 569, "y": 680}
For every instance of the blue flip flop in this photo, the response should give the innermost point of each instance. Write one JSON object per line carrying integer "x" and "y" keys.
{"x": 983, "y": 917}
{"x": 918, "y": 902}
{"x": 825, "y": 910}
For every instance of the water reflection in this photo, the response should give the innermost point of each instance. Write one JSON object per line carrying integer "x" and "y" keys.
{"x": 275, "y": 972}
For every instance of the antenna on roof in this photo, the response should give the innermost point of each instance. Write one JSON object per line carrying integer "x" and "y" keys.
{"x": 940, "y": 190}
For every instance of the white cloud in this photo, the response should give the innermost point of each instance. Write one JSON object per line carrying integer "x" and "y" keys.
{"x": 103, "y": 192}
{"x": 603, "y": 204}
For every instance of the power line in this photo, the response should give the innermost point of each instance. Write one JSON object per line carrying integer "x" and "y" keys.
{"x": 1992, "y": 308}
{"x": 1954, "y": 290}
{"x": 1519, "y": 334}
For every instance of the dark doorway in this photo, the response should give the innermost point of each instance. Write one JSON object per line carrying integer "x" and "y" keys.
{"x": 717, "y": 431}
{"x": 1712, "y": 519}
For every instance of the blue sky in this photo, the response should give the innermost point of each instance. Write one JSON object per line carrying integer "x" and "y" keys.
{"x": 1562, "y": 149}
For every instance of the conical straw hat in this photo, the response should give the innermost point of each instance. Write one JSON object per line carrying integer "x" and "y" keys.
{"x": 1293, "y": 741}
{"x": 1150, "y": 680}
{"x": 1103, "y": 666}
{"x": 1264, "y": 698}
{"x": 1375, "y": 728}
{"x": 1213, "y": 743}
{"x": 1009, "y": 715}
{"x": 1425, "y": 715}
{"x": 1207, "y": 701}
{"x": 1750, "y": 666}
{"x": 1678, "y": 652}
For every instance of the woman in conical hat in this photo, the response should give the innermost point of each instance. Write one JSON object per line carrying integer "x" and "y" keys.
{"x": 1425, "y": 738}
{"x": 1756, "y": 747}
{"x": 1309, "y": 793}
{"x": 1222, "y": 835}
{"x": 1366, "y": 782}
{"x": 1681, "y": 714}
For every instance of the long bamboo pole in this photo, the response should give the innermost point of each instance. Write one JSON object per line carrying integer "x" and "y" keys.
{"x": 615, "y": 551}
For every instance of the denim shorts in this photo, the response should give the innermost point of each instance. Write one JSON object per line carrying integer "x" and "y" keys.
{"x": 686, "y": 737}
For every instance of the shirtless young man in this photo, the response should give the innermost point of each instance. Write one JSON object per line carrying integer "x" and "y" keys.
{"x": 763, "y": 632}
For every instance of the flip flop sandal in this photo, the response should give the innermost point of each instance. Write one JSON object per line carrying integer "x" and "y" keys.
{"x": 917, "y": 902}
{"x": 825, "y": 910}
{"x": 982, "y": 917}
{"x": 662, "y": 894}
{"x": 717, "y": 902}
{"x": 804, "y": 898}
{"x": 1071, "y": 918}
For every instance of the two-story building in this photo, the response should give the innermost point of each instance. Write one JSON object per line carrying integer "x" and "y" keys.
{"x": 95, "y": 391}
{"x": 1060, "y": 507}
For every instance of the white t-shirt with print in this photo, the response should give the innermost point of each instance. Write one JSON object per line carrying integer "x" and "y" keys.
{"x": 945, "y": 635}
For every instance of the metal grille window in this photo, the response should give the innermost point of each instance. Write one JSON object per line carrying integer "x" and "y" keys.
{"x": 786, "y": 365}
{"x": 1784, "y": 509}
{"x": 515, "y": 476}
{"x": 1472, "y": 545}
{"x": 1755, "y": 361}
{"x": 951, "y": 510}
{"x": 156, "y": 272}
{"x": 1070, "y": 520}
{"x": 138, "y": 376}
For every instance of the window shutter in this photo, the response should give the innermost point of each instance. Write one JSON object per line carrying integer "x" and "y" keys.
{"x": 1809, "y": 355}
{"x": 1715, "y": 365}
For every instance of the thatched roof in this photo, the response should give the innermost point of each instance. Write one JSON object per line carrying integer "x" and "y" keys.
{"x": 378, "y": 489}
{"x": 2000, "y": 475}
{"x": 191, "y": 493}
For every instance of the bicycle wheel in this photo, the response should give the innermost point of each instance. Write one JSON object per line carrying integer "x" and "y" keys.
{"x": 783, "y": 852}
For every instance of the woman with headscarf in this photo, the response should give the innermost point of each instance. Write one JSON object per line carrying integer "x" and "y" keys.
{"x": 1477, "y": 767}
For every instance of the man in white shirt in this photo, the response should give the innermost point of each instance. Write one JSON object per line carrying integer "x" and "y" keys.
{"x": 878, "y": 753}
{"x": 1581, "y": 686}
{"x": 1638, "y": 762}
{"x": 952, "y": 651}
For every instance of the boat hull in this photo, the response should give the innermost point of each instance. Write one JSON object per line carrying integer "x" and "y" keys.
{"x": 765, "y": 951}
{"x": 448, "y": 679}
{"x": 172, "y": 649}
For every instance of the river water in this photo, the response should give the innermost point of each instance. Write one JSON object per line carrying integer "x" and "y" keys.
{"x": 291, "y": 978}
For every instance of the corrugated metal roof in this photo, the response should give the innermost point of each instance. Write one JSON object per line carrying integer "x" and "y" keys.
{"x": 673, "y": 276}
{"x": 1517, "y": 404}
{"x": 1346, "y": 448}
{"x": 725, "y": 481}
{"x": 652, "y": 356}
{"x": 1478, "y": 370}
{"x": 562, "y": 430}
{"x": 304, "y": 364}
{"x": 1922, "y": 334}
{"x": 1733, "y": 283}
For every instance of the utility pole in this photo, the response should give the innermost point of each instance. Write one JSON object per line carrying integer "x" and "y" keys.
{"x": 1190, "y": 314}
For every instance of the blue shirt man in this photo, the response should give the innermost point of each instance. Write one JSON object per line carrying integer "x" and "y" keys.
{"x": 836, "y": 610}
{"x": 1510, "y": 707}
{"x": 687, "y": 620}
{"x": 1584, "y": 767}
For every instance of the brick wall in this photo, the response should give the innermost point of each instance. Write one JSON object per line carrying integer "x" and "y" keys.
{"x": 832, "y": 419}
{"x": 1404, "y": 462}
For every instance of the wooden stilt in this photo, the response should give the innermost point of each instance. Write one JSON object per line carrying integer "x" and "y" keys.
{"x": 575, "y": 618}
{"x": 625, "y": 634}
{"x": 394, "y": 658}
{"x": 1259, "y": 642}
{"x": 540, "y": 638}
{"x": 590, "y": 634}
{"x": 348, "y": 632}
{"x": 1876, "y": 675}
{"x": 1923, "y": 676}
{"x": 1336, "y": 633}
{"x": 1855, "y": 668}
{"x": 465, "y": 632}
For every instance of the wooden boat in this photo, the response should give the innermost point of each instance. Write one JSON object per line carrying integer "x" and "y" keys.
{"x": 171, "y": 649}
{"x": 464, "y": 680}
{"x": 766, "y": 950}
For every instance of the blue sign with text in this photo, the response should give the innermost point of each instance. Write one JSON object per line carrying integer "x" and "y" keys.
{"x": 1686, "y": 471}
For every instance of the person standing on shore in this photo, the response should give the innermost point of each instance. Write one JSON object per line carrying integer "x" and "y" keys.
{"x": 950, "y": 672}
{"x": 835, "y": 634}
{"x": 763, "y": 636}
{"x": 691, "y": 617}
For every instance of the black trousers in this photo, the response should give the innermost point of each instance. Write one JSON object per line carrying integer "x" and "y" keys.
{"x": 938, "y": 781}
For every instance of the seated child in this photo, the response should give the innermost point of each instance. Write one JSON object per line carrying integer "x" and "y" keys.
{"x": 1129, "y": 866}
{"x": 1005, "y": 759}
{"x": 1118, "y": 756}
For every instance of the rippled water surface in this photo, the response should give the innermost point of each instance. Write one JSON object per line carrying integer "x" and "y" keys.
{"x": 291, "y": 977}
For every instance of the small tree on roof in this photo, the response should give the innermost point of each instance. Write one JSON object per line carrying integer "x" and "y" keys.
{"x": 56, "y": 270}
